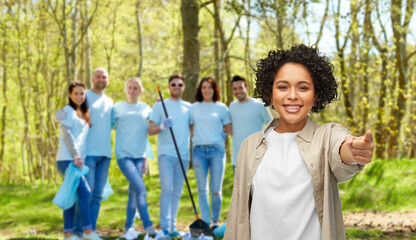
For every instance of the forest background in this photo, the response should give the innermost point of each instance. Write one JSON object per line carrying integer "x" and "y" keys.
{"x": 47, "y": 44}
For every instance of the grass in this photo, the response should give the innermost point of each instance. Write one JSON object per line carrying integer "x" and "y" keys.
{"x": 376, "y": 235}
{"x": 25, "y": 208}
{"x": 383, "y": 185}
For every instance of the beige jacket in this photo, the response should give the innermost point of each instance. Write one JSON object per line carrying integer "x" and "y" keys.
{"x": 319, "y": 147}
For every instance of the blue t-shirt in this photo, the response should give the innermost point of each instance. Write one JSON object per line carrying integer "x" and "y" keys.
{"x": 208, "y": 120}
{"x": 99, "y": 135}
{"x": 179, "y": 112}
{"x": 79, "y": 130}
{"x": 131, "y": 129}
{"x": 247, "y": 118}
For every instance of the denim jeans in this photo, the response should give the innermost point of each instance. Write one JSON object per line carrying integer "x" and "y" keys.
{"x": 96, "y": 178}
{"x": 132, "y": 170}
{"x": 212, "y": 158}
{"x": 171, "y": 183}
{"x": 84, "y": 195}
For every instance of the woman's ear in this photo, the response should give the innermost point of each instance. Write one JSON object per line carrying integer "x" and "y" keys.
{"x": 315, "y": 99}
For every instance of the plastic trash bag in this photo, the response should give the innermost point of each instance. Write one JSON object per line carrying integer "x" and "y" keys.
{"x": 201, "y": 237}
{"x": 67, "y": 194}
{"x": 220, "y": 231}
{"x": 107, "y": 191}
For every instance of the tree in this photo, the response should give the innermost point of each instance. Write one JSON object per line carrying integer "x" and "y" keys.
{"x": 191, "y": 47}
{"x": 70, "y": 48}
{"x": 400, "y": 30}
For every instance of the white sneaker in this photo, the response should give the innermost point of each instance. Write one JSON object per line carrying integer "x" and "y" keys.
{"x": 131, "y": 234}
{"x": 91, "y": 236}
{"x": 150, "y": 230}
{"x": 73, "y": 237}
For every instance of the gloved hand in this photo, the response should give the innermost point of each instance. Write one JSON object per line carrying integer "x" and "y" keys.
{"x": 167, "y": 123}
{"x": 223, "y": 135}
{"x": 60, "y": 115}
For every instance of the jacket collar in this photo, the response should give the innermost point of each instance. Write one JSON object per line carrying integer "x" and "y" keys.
{"x": 306, "y": 133}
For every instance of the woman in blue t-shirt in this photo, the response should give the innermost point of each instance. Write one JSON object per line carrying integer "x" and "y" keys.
{"x": 208, "y": 119}
{"x": 72, "y": 143}
{"x": 131, "y": 120}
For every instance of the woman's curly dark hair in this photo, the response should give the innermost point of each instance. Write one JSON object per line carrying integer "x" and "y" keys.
{"x": 319, "y": 67}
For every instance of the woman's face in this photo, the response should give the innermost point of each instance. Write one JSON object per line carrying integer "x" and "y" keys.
{"x": 207, "y": 92}
{"x": 77, "y": 95}
{"x": 133, "y": 90}
{"x": 293, "y": 96}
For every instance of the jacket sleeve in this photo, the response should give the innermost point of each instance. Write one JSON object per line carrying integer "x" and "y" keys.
{"x": 231, "y": 228}
{"x": 69, "y": 140}
{"x": 341, "y": 171}
{"x": 238, "y": 221}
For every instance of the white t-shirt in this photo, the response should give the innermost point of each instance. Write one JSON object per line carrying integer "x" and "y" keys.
{"x": 79, "y": 130}
{"x": 283, "y": 205}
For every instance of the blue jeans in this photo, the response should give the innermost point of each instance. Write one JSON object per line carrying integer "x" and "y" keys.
{"x": 132, "y": 170}
{"x": 96, "y": 178}
{"x": 212, "y": 158}
{"x": 171, "y": 183}
{"x": 84, "y": 195}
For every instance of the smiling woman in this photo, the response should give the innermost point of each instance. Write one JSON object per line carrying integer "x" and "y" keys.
{"x": 131, "y": 120}
{"x": 289, "y": 172}
{"x": 293, "y": 97}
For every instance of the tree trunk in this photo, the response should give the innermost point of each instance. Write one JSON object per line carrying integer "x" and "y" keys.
{"x": 87, "y": 48}
{"x": 74, "y": 37}
{"x": 380, "y": 129}
{"x": 365, "y": 62}
{"x": 191, "y": 62}
{"x": 343, "y": 67}
{"x": 139, "y": 39}
{"x": 4, "y": 103}
{"x": 399, "y": 39}
{"x": 247, "y": 51}
{"x": 280, "y": 16}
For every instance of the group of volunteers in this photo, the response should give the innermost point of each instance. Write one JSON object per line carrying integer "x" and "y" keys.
{"x": 85, "y": 139}
{"x": 286, "y": 174}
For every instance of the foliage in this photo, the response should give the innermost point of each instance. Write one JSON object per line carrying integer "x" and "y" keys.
{"x": 45, "y": 44}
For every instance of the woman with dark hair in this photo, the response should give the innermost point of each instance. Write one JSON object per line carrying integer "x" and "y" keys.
{"x": 72, "y": 144}
{"x": 285, "y": 185}
{"x": 208, "y": 119}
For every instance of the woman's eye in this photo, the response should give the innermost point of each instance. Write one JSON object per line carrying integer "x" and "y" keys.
{"x": 304, "y": 88}
{"x": 282, "y": 87}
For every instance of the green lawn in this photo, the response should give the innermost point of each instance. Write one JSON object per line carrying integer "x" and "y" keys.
{"x": 25, "y": 208}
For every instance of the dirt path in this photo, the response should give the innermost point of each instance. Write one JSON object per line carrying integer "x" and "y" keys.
{"x": 388, "y": 222}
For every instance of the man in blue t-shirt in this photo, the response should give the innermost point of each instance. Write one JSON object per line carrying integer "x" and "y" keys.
{"x": 170, "y": 173}
{"x": 248, "y": 115}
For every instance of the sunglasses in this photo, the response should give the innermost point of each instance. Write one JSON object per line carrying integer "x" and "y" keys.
{"x": 176, "y": 84}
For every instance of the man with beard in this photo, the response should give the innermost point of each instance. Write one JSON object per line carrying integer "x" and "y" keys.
{"x": 248, "y": 115}
{"x": 170, "y": 173}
